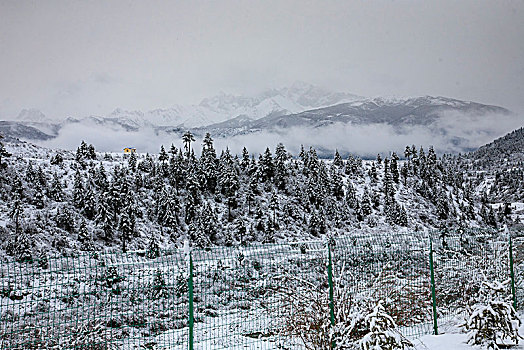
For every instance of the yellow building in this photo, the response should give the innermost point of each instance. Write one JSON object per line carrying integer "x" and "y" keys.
{"x": 129, "y": 150}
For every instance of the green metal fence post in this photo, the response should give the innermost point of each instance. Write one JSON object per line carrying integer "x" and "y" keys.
{"x": 512, "y": 274}
{"x": 433, "y": 296}
{"x": 331, "y": 294}
{"x": 190, "y": 292}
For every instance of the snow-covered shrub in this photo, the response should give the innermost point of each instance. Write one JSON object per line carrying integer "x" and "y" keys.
{"x": 493, "y": 321}
{"x": 88, "y": 336}
{"x": 158, "y": 287}
{"x": 307, "y": 313}
{"x": 383, "y": 333}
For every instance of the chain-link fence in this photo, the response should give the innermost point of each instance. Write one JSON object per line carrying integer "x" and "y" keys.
{"x": 300, "y": 295}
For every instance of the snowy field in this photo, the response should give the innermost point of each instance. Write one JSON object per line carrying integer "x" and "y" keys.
{"x": 453, "y": 339}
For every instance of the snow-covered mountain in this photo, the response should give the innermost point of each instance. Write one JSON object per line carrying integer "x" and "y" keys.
{"x": 297, "y": 98}
{"x": 371, "y": 125}
{"x": 397, "y": 112}
{"x": 301, "y": 114}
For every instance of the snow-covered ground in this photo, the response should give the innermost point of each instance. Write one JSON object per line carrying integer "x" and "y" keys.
{"x": 452, "y": 338}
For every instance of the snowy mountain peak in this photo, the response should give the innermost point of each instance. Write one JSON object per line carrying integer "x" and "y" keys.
{"x": 32, "y": 115}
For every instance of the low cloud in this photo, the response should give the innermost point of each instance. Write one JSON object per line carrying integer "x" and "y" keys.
{"x": 452, "y": 133}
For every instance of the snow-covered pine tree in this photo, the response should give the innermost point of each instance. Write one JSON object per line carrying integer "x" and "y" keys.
{"x": 209, "y": 163}
{"x": 228, "y": 181}
{"x": 105, "y": 216}
{"x": 187, "y": 138}
{"x": 337, "y": 183}
{"x": 244, "y": 163}
{"x": 132, "y": 161}
{"x": 366, "y": 203}
{"x": 126, "y": 228}
{"x": 153, "y": 249}
{"x": 266, "y": 166}
{"x": 493, "y": 322}
{"x": 383, "y": 333}
{"x": 394, "y": 168}
{"x": 281, "y": 171}
{"x": 16, "y": 214}
{"x": 373, "y": 172}
{"x": 337, "y": 159}
{"x": 39, "y": 197}
{"x": 3, "y": 154}
{"x": 162, "y": 155}
{"x": 89, "y": 204}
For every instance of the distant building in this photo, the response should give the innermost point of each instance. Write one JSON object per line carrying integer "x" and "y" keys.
{"x": 129, "y": 150}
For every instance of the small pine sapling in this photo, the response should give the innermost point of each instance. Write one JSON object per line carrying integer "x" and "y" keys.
{"x": 383, "y": 333}
{"x": 153, "y": 249}
{"x": 493, "y": 321}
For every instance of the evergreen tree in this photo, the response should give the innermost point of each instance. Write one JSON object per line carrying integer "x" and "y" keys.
{"x": 394, "y": 167}
{"x": 351, "y": 196}
{"x": 187, "y": 138}
{"x": 366, "y": 203}
{"x": 162, "y": 156}
{"x": 209, "y": 163}
{"x": 388, "y": 187}
{"x": 78, "y": 190}
{"x": 146, "y": 165}
{"x": 250, "y": 197}
{"x": 373, "y": 172}
{"x": 229, "y": 181}
{"x": 241, "y": 230}
{"x": 39, "y": 197}
{"x": 153, "y": 249}
{"x": 281, "y": 172}
{"x": 244, "y": 164}
{"x": 337, "y": 183}
{"x": 55, "y": 190}
{"x": 57, "y": 159}
{"x": 126, "y": 227}
{"x": 89, "y": 204}
{"x": 17, "y": 187}
{"x": 168, "y": 209}
{"x": 3, "y": 153}
{"x": 132, "y": 161}
{"x": 407, "y": 153}
{"x": 207, "y": 221}
{"x": 90, "y": 152}
{"x": 337, "y": 159}
{"x": 83, "y": 236}
{"x": 16, "y": 213}
{"x": 266, "y": 166}
{"x": 302, "y": 154}
{"x": 65, "y": 219}
{"x": 317, "y": 225}
{"x": 269, "y": 232}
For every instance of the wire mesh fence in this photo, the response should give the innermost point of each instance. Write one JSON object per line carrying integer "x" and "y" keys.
{"x": 94, "y": 301}
{"x": 298, "y": 295}
{"x": 518, "y": 262}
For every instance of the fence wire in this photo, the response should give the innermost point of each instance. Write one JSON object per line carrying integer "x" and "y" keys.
{"x": 266, "y": 296}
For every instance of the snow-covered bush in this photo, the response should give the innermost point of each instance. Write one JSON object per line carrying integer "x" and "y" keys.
{"x": 383, "y": 333}
{"x": 493, "y": 321}
{"x": 307, "y": 315}
{"x": 90, "y": 335}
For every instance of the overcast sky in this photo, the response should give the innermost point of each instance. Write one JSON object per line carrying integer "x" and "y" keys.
{"x": 89, "y": 57}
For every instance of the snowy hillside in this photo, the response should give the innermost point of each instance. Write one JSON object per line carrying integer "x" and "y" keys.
{"x": 68, "y": 217}
{"x": 223, "y": 200}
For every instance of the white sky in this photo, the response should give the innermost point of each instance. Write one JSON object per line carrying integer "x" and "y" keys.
{"x": 89, "y": 57}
